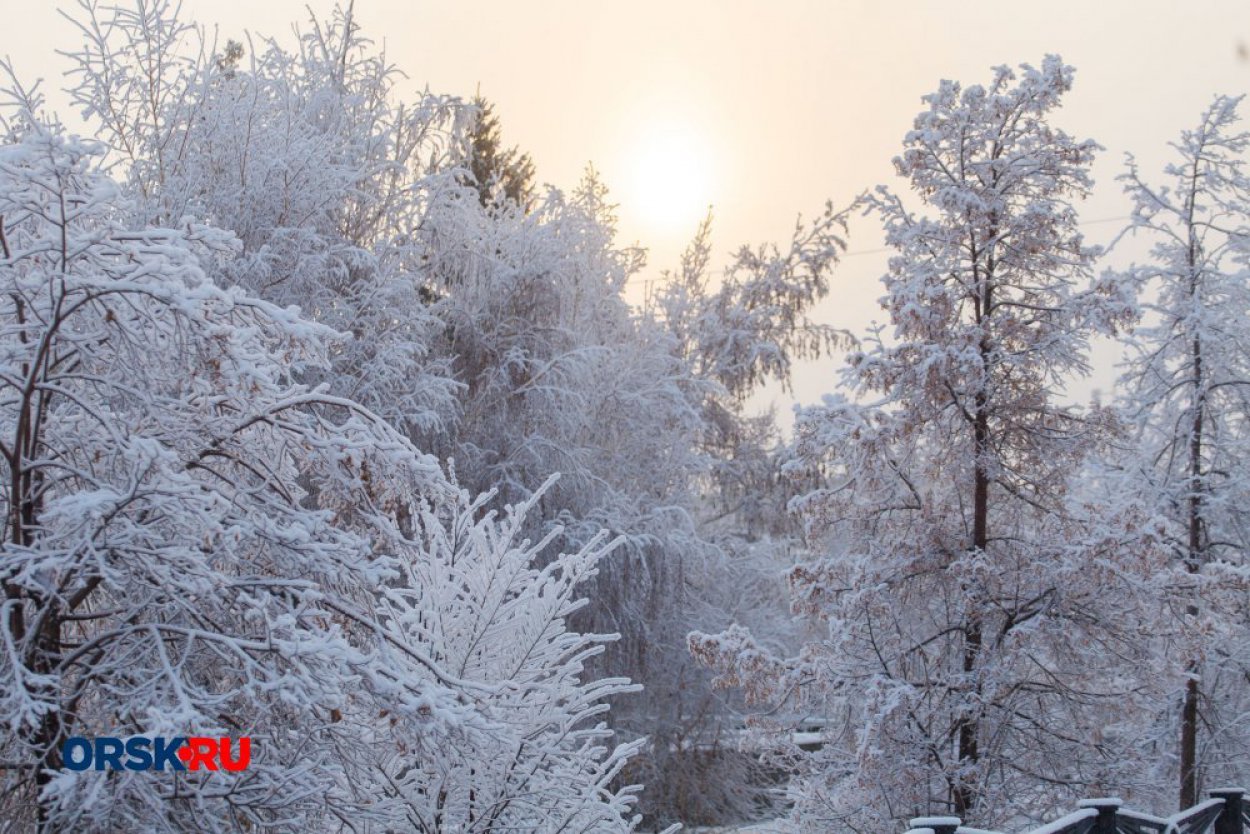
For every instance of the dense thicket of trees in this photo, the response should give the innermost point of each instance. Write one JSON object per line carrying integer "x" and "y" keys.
{"x": 322, "y": 424}
{"x": 196, "y": 543}
{"x": 441, "y": 304}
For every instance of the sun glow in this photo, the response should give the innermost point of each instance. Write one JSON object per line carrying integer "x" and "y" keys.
{"x": 670, "y": 179}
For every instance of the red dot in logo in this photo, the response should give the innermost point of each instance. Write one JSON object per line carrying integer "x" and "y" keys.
{"x": 184, "y": 753}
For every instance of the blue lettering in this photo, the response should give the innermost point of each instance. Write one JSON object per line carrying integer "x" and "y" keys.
{"x": 138, "y": 755}
{"x": 166, "y": 753}
{"x": 108, "y": 752}
{"x": 72, "y": 744}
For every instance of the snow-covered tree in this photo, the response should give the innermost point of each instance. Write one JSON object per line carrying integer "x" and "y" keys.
{"x": 980, "y": 619}
{"x": 493, "y": 609}
{"x": 741, "y": 329}
{"x": 196, "y": 544}
{"x": 639, "y": 414}
{"x": 495, "y": 171}
{"x": 738, "y": 329}
{"x": 487, "y": 320}
{"x": 157, "y": 461}
{"x": 496, "y": 338}
{"x": 307, "y": 155}
{"x": 560, "y": 374}
{"x": 1186, "y": 390}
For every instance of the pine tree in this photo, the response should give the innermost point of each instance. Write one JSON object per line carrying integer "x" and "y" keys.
{"x": 492, "y": 167}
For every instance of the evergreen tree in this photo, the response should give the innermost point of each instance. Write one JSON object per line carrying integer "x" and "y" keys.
{"x": 494, "y": 169}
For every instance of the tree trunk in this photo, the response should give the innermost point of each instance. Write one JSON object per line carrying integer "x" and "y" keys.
{"x": 1195, "y": 555}
{"x": 1193, "y": 563}
{"x": 47, "y": 738}
{"x": 969, "y": 722}
{"x": 969, "y": 752}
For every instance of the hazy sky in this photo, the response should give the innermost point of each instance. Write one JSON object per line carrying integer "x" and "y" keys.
{"x": 763, "y": 109}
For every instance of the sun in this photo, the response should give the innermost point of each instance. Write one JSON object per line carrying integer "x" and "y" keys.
{"x": 669, "y": 186}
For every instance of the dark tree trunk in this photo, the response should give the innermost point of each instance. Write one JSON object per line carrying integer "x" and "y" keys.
{"x": 1195, "y": 554}
{"x": 1193, "y": 563}
{"x": 965, "y": 794}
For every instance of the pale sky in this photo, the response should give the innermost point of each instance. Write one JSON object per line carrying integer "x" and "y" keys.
{"x": 762, "y": 109}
